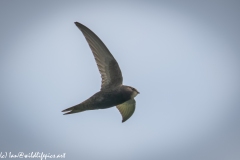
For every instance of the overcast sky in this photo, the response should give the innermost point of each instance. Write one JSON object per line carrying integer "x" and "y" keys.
{"x": 182, "y": 56}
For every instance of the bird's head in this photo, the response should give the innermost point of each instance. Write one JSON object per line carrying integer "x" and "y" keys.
{"x": 134, "y": 91}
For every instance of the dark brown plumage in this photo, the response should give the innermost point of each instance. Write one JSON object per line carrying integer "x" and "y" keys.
{"x": 112, "y": 92}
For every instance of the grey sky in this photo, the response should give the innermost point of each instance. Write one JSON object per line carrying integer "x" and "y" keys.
{"x": 183, "y": 57}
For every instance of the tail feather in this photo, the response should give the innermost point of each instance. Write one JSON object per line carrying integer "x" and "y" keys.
{"x": 68, "y": 109}
{"x": 71, "y": 112}
{"x": 76, "y": 109}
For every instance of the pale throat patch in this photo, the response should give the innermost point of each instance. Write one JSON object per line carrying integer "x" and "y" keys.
{"x": 134, "y": 94}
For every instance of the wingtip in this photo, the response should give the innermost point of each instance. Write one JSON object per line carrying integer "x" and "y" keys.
{"x": 79, "y": 24}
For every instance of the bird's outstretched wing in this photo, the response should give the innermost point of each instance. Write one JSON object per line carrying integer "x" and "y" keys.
{"x": 127, "y": 109}
{"x": 107, "y": 65}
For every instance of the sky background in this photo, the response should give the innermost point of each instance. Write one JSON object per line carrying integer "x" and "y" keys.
{"x": 182, "y": 56}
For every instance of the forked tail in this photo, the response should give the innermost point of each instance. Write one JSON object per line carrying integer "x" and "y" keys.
{"x": 75, "y": 109}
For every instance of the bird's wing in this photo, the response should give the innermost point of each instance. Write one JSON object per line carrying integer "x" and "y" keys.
{"x": 127, "y": 109}
{"x": 107, "y": 65}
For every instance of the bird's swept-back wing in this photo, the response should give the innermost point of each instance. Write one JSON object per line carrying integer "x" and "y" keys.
{"x": 127, "y": 109}
{"x": 107, "y": 65}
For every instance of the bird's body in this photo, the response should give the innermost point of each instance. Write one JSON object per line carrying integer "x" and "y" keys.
{"x": 103, "y": 99}
{"x": 112, "y": 92}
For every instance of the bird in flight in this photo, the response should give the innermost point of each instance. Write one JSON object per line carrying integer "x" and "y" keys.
{"x": 113, "y": 92}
